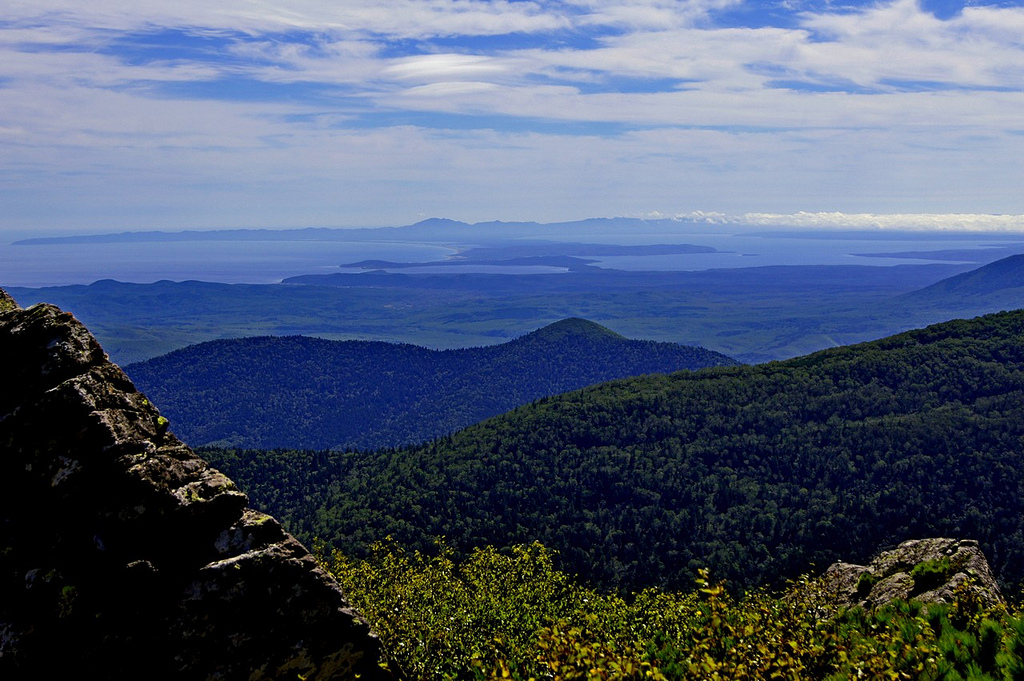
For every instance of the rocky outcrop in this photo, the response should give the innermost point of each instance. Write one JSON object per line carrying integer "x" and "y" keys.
{"x": 927, "y": 570}
{"x": 124, "y": 555}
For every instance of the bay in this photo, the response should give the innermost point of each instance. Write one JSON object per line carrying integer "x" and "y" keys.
{"x": 228, "y": 262}
{"x": 265, "y": 261}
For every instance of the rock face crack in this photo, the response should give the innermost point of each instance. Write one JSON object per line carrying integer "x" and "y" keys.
{"x": 123, "y": 554}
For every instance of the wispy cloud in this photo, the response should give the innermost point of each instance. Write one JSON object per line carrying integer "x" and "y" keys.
{"x": 314, "y": 112}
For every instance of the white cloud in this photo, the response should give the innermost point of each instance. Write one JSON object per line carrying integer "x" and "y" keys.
{"x": 901, "y": 42}
{"x": 399, "y": 18}
{"x": 891, "y": 221}
{"x": 647, "y": 14}
{"x": 448, "y": 89}
{"x": 640, "y": 104}
{"x": 919, "y": 222}
{"x": 432, "y": 67}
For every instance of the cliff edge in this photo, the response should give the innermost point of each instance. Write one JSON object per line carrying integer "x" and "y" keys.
{"x": 123, "y": 554}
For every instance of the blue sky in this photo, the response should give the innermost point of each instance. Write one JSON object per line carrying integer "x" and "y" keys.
{"x": 249, "y": 113}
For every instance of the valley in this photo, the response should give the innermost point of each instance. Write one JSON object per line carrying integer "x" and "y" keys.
{"x": 751, "y": 314}
{"x": 754, "y": 296}
{"x": 758, "y": 472}
{"x": 309, "y": 393}
{"x": 606, "y": 503}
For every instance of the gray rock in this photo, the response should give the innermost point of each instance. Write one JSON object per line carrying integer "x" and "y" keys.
{"x": 125, "y": 555}
{"x": 927, "y": 570}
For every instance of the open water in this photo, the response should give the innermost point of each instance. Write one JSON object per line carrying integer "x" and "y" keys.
{"x": 258, "y": 262}
{"x": 232, "y": 262}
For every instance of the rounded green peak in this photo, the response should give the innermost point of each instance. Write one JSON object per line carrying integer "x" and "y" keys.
{"x": 573, "y": 327}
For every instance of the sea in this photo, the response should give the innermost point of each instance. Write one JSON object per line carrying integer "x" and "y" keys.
{"x": 232, "y": 262}
{"x": 256, "y": 261}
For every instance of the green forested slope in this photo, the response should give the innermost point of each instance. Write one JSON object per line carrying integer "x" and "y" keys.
{"x": 313, "y": 393}
{"x": 758, "y": 472}
{"x": 1004, "y": 276}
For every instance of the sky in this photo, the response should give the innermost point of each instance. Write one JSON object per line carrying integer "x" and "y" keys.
{"x": 293, "y": 113}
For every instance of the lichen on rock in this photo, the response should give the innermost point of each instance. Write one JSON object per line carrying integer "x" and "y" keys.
{"x": 6, "y": 302}
{"x": 927, "y": 570}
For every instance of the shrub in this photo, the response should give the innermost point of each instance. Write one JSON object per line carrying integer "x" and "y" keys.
{"x": 511, "y": 614}
{"x": 930, "y": 573}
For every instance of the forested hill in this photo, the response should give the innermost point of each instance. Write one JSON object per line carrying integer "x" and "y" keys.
{"x": 999, "y": 280}
{"x": 758, "y": 472}
{"x": 319, "y": 394}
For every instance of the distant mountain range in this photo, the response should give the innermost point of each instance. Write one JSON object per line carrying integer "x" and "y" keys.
{"x": 305, "y": 392}
{"x": 431, "y": 229}
{"x": 754, "y": 314}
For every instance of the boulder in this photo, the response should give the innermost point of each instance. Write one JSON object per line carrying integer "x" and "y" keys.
{"x": 926, "y": 570}
{"x": 125, "y": 555}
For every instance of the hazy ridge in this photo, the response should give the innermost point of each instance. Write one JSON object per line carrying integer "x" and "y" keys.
{"x": 317, "y": 394}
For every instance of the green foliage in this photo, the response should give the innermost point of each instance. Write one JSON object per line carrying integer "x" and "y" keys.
{"x": 757, "y": 472}
{"x": 865, "y": 583}
{"x": 930, "y": 573}
{"x": 513, "y": 615}
{"x": 319, "y": 394}
{"x": 443, "y": 620}
{"x": 1011, "y": 659}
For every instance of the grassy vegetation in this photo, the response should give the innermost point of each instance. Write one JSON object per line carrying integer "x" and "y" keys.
{"x": 513, "y": 615}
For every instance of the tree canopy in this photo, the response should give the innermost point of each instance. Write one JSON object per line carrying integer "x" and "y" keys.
{"x": 319, "y": 394}
{"x": 756, "y": 472}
